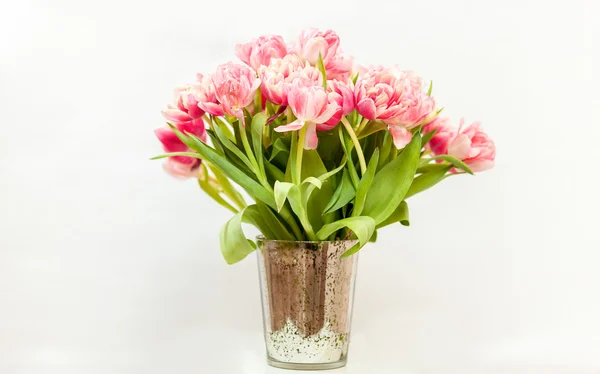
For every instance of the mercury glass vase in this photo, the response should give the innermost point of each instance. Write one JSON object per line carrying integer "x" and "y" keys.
{"x": 307, "y": 292}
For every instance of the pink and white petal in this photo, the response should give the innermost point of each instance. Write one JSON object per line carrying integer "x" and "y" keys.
{"x": 175, "y": 115}
{"x": 212, "y": 108}
{"x": 294, "y": 126}
{"x": 400, "y": 135}
{"x": 179, "y": 170}
{"x": 460, "y": 147}
{"x": 480, "y": 165}
{"x": 329, "y": 112}
{"x": 170, "y": 141}
{"x": 366, "y": 108}
{"x": 192, "y": 107}
{"x": 311, "y": 140}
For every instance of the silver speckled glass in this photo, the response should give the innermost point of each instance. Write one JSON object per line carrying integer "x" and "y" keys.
{"x": 307, "y": 294}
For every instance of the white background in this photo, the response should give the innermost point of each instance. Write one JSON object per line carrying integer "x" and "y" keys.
{"x": 107, "y": 265}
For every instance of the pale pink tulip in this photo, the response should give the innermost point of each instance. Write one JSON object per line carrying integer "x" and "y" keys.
{"x": 259, "y": 52}
{"x": 181, "y": 166}
{"x": 184, "y": 107}
{"x": 311, "y": 43}
{"x": 235, "y": 86}
{"x": 444, "y": 132}
{"x": 306, "y": 75}
{"x": 311, "y": 105}
{"x": 274, "y": 78}
{"x": 344, "y": 97}
{"x": 397, "y": 98}
{"x": 474, "y": 147}
{"x": 340, "y": 67}
{"x": 204, "y": 92}
{"x": 469, "y": 144}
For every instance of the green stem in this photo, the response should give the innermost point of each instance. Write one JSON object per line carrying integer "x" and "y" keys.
{"x": 299, "y": 152}
{"x": 361, "y": 156}
{"x": 226, "y": 186}
{"x": 289, "y": 218}
{"x": 362, "y": 125}
{"x": 261, "y": 177}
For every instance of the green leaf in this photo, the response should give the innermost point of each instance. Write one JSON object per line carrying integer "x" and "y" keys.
{"x": 312, "y": 166}
{"x": 343, "y": 194}
{"x": 430, "y": 167}
{"x": 234, "y": 194}
{"x": 251, "y": 186}
{"x": 399, "y": 215}
{"x": 229, "y": 145}
{"x": 373, "y": 237}
{"x": 224, "y": 128}
{"x": 348, "y": 145}
{"x": 386, "y": 149}
{"x": 234, "y": 245}
{"x": 391, "y": 184}
{"x": 427, "y": 137}
{"x": 362, "y": 226}
{"x": 314, "y": 181}
{"x": 213, "y": 191}
{"x": 365, "y": 184}
{"x": 427, "y": 180}
{"x": 266, "y": 220}
{"x": 280, "y": 146}
{"x": 453, "y": 160}
{"x": 321, "y": 67}
{"x": 371, "y": 128}
{"x": 273, "y": 172}
{"x": 257, "y": 127}
{"x": 430, "y": 88}
{"x": 291, "y": 192}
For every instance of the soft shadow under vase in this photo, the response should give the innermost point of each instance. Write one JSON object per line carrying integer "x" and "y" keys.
{"x": 307, "y": 294}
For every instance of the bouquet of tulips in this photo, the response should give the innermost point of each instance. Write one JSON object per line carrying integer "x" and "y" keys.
{"x": 327, "y": 149}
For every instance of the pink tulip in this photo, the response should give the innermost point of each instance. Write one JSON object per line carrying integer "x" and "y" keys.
{"x": 274, "y": 78}
{"x": 397, "y": 98}
{"x": 204, "y": 92}
{"x": 306, "y": 75}
{"x": 235, "y": 86}
{"x": 340, "y": 67}
{"x": 444, "y": 132}
{"x": 344, "y": 97}
{"x": 312, "y": 43}
{"x": 469, "y": 144}
{"x": 312, "y": 105}
{"x": 184, "y": 107}
{"x": 181, "y": 166}
{"x": 259, "y": 52}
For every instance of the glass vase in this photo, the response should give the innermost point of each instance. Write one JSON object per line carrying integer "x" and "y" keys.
{"x": 307, "y": 293}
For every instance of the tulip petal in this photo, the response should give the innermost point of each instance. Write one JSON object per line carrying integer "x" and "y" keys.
{"x": 294, "y": 126}
{"x": 400, "y": 135}
{"x": 460, "y": 147}
{"x": 175, "y": 115}
{"x": 170, "y": 141}
{"x": 311, "y": 140}
{"x": 366, "y": 108}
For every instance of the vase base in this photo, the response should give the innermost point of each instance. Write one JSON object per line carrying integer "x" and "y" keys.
{"x": 298, "y": 366}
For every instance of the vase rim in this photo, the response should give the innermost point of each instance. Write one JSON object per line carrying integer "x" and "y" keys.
{"x": 263, "y": 239}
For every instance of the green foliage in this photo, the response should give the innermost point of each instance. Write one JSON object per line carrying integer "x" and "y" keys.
{"x": 326, "y": 198}
{"x": 427, "y": 180}
{"x": 343, "y": 194}
{"x": 452, "y": 160}
{"x": 361, "y": 226}
{"x": 399, "y": 215}
{"x": 391, "y": 184}
{"x": 234, "y": 245}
